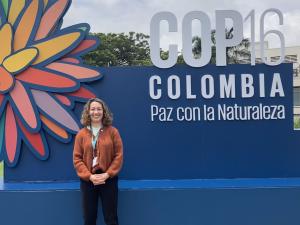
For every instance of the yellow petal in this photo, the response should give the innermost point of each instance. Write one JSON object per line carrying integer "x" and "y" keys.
{"x": 15, "y": 9}
{"x": 54, "y": 46}
{"x": 6, "y": 41}
{"x": 20, "y": 60}
{"x": 45, "y": 3}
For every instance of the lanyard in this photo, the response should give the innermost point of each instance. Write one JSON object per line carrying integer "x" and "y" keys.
{"x": 95, "y": 136}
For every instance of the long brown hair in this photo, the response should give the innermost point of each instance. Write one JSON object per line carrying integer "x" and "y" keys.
{"x": 85, "y": 116}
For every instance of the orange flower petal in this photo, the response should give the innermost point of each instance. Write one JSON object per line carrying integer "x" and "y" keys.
{"x": 45, "y": 78}
{"x": 63, "y": 99}
{"x": 6, "y": 41}
{"x": 54, "y": 128}
{"x": 26, "y": 25}
{"x": 82, "y": 93}
{"x": 15, "y": 9}
{"x": 6, "y": 80}
{"x": 70, "y": 60}
{"x": 83, "y": 46}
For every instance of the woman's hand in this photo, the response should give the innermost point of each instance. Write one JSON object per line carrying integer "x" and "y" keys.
{"x": 98, "y": 179}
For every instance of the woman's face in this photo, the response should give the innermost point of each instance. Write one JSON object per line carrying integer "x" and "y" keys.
{"x": 96, "y": 112}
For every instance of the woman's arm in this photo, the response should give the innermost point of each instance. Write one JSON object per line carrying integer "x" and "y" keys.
{"x": 117, "y": 162}
{"x": 79, "y": 165}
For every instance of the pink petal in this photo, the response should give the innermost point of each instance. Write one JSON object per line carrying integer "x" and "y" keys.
{"x": 79, "y": 72}
{"x": 11, "y": 134}
{"x": 50, "y": 18}
{"x": 23, "y": 104}
{"x": 54, "y": 110}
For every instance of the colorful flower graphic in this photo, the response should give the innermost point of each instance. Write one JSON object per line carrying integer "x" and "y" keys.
{"x": 41, "y": 75}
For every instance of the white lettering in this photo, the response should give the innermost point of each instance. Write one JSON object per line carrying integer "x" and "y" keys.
{"x": 154, "y": 79}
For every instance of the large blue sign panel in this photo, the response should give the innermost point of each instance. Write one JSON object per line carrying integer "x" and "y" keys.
{"x": 190, "y": 123}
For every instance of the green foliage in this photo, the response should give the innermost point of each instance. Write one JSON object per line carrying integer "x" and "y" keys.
{"x": 297, "y": 122}
{"x": 165, "y": 55}
{"x": 5, "y": 5}
{"x": 120, "y": 50}
{"x": 133, "y": 50}
{"x": 1, "y": 169}
{"x": 236, "y": 54}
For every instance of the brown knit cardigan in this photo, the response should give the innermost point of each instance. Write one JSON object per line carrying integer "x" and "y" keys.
{"x": 109, "y": 150}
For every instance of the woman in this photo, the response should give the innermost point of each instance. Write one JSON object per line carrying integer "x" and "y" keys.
{"x": 98, "y": 158}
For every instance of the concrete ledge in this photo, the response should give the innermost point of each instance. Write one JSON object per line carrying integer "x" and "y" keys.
{"x": 161, "y": 184}
{"x": 183, "y": 202}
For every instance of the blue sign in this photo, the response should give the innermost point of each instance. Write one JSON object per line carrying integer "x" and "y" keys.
{"x": 190, "y": 123}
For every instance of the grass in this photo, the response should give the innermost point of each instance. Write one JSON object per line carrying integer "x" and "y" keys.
{"x": 1, "y": 169}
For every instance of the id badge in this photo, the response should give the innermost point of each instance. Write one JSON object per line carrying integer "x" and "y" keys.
{"x": 95, "y": 161}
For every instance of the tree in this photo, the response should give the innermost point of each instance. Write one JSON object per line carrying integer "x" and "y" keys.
{"x": 133, "y": 50}
{"x": 120, "y": 50}
{"x": 235, "y": 54}
{"x": 164, "y": 55}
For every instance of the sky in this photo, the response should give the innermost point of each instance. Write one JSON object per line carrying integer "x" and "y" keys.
{"x": 119, "y": 16}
